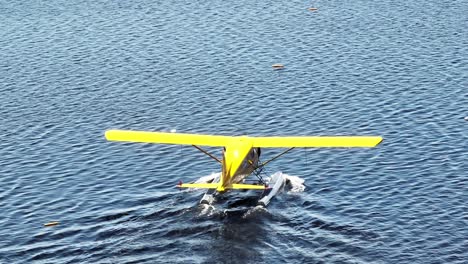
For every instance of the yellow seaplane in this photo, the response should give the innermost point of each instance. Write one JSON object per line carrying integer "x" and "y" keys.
{"x": 241, "y": 155}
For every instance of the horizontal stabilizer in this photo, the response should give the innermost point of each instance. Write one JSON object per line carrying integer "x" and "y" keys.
{"x": 248, "y": 187}
{"x": 198, "y": 185}
{"x": 216, "y": 185}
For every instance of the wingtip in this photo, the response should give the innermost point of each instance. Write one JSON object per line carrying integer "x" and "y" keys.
{"x": 379, "y": 140}
{"x": 179, "y": 185}
{"x": 108, "y": 134}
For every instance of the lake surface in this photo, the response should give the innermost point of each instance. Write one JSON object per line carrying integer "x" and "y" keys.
{"x": 69, "y": 70}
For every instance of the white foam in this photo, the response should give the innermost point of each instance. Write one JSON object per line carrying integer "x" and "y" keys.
{"x": 253, "y": 210}
{"x": 208, "y": 178}
{"x": 297, "y": 183}
{"x": 207, "y": 210}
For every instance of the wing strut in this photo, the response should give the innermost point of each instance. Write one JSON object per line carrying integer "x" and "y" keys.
{"x": 206, "y": 152}
{"x": 272, "y": 159}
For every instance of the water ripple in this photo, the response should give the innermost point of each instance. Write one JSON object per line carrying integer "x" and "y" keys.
{"x": 71, "y": 70}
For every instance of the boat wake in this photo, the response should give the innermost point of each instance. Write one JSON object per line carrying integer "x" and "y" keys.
{"x": 248, "y": 202}
{"x": 208, "y": 178}
{"x": 294, "y": 184}
{"x": 209, "y": 210}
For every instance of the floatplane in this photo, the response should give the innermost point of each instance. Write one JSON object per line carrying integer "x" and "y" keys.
{"x": 240, "y": 156}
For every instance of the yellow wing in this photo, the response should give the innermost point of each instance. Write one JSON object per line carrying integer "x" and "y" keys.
{"x": 317, "y": 142}
{"x": 167, "y": 138}
{"x": 262, "y": 142}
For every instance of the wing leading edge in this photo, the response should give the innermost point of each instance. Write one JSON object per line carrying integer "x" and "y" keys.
{"x": 261, "y": 142}
{"x": 167, "y": 138}
{"x": 317, "y": 142}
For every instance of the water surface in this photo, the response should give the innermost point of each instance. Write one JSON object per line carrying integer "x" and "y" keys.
{"x": 69, "y": 70}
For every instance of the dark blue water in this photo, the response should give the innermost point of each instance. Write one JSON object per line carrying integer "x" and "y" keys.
{"x": 69, "y": 70}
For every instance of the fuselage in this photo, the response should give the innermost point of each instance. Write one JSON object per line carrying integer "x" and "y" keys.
{"x": 240, "y": 159}
{"x": 248, "y": 165}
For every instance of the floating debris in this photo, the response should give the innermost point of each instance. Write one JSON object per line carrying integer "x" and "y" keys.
{"x": 277, "y": 66}
{"x": 312, "y": 9}
{"x": 54, "y": 223}
{"x": 466, "y": 118}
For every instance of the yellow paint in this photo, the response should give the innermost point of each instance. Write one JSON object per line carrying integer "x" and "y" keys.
{"x": 248, "y": 186}
{"x": 317, "y": 142}
{"x": 237, "y": 148}
{"x": 198, "y": 185}
{"x": 227, "y": 141}
{"x": 236, "y": 151}
{"x": 216, "y": 186}
{"x": 167, "y": 138}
